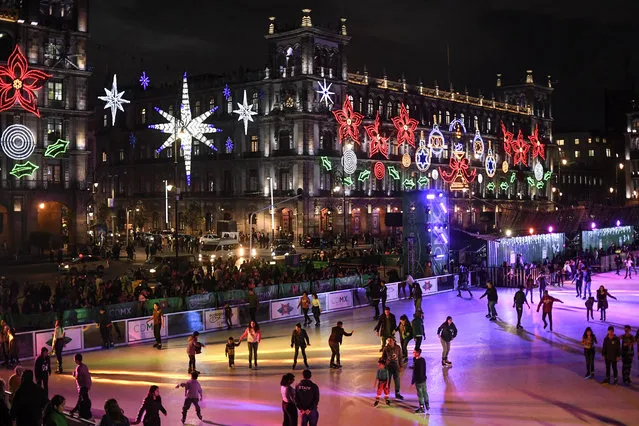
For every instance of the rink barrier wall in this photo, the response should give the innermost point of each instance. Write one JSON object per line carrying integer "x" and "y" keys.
{"x": 83, "y": 338}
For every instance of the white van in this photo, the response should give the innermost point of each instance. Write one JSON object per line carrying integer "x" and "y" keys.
{"x": 220, "y": 249}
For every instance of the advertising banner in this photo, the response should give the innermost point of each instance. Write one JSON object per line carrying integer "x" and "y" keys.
{"x": 285, "y": 308}
{"x": 73, "y": 339}
{"x": 121, "y": 310}
{"x": 391, "y": 291}
{"x": 339, "y": 300}
{"x": 200, "y": 301}
{"x": 428, "y": 285}
{"x": 322, "y": 286}
{"x": 139, "y": 330}
{"x": 214, "y": 319}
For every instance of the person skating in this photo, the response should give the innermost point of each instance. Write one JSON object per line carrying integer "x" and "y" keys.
{"x": 83, "y": 405}
{"x": 383, "y": 293}
{"x": 113, "y": 414}
{"x": 288, "y": 400}
{"x": 382, "y": 382}
{"x": 316, "y": 309}
{"x": 28, "y": 402}
{"x": 254, "y": 304}
{"x": 393, "y": 357}
{"x": 151, "y": 408}
{"x": 602, "y": 302}
{"x": 547, "y": 302}
{"x": 446, "y": 332}
{"x": 105, "y": 325}
{"x": 417, "y": 296}
{"x": 587, "y": 282}
{"x": 82, "y": 377}
{"x": 628, "y": 264}
{"x": 307, "y": 396}
{"x": 373, "y": 295}
{"x": 228, "y": 315}
{"x": 386, "y": 327}
{"x": 589, "y": 311}
{"x": 405, "y": 335}
{"x": 463, "y": 284}
{"x": 491, "y": 293}
{"x": 334, "y": 342}
{"x": 419, "y": 380}
{"x": 157, "y": 317}
{"x": 579, "y": 278}
{"x": 193, "y": 347}
{"x": 627, "y": 354}
{"x": 58, "y": 344}
{"x": 42, "y": 370}
{"x": 253, "y": 338}
{"x": 192, "y": 395}
{"x": 541, "y": 279}
{"x": 229, "y": 351}
{"x": 299, "y": 340}
{"x": 418, "y": 328}
{"x": 588, "y": 341}
{"x": 518, "y": 304}
{"x": 305, "y": 304}
{"x": 530, "y": 286}
{"x": 611, "y": 351}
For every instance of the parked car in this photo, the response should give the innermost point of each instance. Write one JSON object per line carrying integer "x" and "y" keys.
{"x": 282, "y": 251}
{"x": 316, "y": 242}
{"x": 151, "y": 269}
{"x": 84, "y": 263}
{"x": 221, "y": 248}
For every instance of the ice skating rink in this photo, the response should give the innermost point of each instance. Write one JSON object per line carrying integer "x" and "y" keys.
{"x": 500, "y": 375}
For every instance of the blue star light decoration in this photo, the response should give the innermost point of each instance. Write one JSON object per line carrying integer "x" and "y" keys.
{"x": 229, "y": 145}
{"x": 186, "y": 128}
{"x": 144, "y": 80}
{"x": 245, "y": 112}
{"x": 226, "y": 92}
{"x": 132, "y": 140}
{"x": 422, "y": 156}
{"x": 113, "y": 99}
{"x": 325, "y": 91}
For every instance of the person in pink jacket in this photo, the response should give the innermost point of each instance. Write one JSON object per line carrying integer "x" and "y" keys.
{"x": 253, "y": 337}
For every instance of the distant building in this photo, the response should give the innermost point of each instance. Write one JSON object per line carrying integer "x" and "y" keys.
{"x": 632, "y": 153}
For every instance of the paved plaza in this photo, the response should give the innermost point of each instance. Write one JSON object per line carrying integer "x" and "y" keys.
{"x": 500, "y": 376}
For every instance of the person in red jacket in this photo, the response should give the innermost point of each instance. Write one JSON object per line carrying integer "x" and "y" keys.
{"x": 547, "y": 301}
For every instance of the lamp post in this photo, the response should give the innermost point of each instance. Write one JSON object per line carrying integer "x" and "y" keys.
{"x": 127, "y": 223}
{"x": 176, "y": 157}
{"x": 167, "y": 188}
{"x": 270, "y": 179}
{"x": 342, "y": 188}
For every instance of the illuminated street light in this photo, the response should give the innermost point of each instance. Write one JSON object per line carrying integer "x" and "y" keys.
{"x": 620, "y": 166}
{"x": 41, "y": 206}
{"x": 564, "y": 161}
{"x": 508, "y": 232}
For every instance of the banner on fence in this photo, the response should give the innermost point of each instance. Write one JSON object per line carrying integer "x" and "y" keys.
{"x": 200, "y": 301}
{"x": 339, "y": 300}
{"x": 347, "y": 282}
{"x": 285, "y": 308}
{"x": 121, "y": 310}
{"x": 391, "y": 291}
{"x": 214, "y": 319}
{"x": 428, "y": 285}
{"x": 141, "y": 330}
{"x": 73, "y": 339}
{"x": 322, "y": 286}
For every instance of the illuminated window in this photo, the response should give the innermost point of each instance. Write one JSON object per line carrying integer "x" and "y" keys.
{"x": 143, "y": 116}
{"x": 361, "y": 105}
{"x": 104, "y": 157}
{"x": 604, "y": 140}
{"x": 170, "y": 110}
{"x": 597, "y": 140}
{"x": 576, "y": 141}
{"x": 370, "y": 107}
{"x": 121, "y": 155}
{"x": 389, "y": 110}
{"x": 560, "y": 142}
{"x": 608, "y": 152}
{"x": 105, "y": 120}
{"x": 211, "y": 104}
{"x": 255, "y": 144}
{"x": 198, "y": 107}
{"x": 576, "y": 154}
{"x": 256, "y": 101}
{"x": 488, "y": 124}
{"x": 54, "y": 90}
{"x": 447, "y": 117}
{"x": 589, "y": 140}
{"x": 591, "y": 153}
{"x": 229, "y": 105}
{"x": 54, "y": 128}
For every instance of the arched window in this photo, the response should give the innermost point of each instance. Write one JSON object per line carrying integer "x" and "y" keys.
{"x": 143, "y": 116}
{"x": 256, "y": 101}
{"x": 389, "y": 110}
{"x": 476, "y": 123}
{"x": 447, "y": 117}
{"x": 198, "y": 107}
{"x": 327, "y": 141}
{"x": 211, "y": 104}
{"x": 461, "y": 117}
{"x": 489, "y": 126}
{"x": 361, "y": 105}
{"x": 170, "y": 111}
{"x": 284, "y": 140}
{"x": 229, "y": 105}
{"x": 370, "y": 107}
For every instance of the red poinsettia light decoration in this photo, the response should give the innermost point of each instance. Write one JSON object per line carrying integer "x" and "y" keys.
{"x": 348, "y": 121}
{"x": 538, "y": 148}
{"x": 520, "y": 150}
{"x": 378, "y": 143}
{"x": 18, "y": 83}
{"x": 405, "y": 126}
{"x": 508, "y": 139}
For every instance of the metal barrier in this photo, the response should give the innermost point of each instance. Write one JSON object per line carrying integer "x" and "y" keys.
{"x": 511, "y": 277}
{"x": 72, "y": 421}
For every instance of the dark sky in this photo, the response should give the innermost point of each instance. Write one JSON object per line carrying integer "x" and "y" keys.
{"x": 585, "y": 49}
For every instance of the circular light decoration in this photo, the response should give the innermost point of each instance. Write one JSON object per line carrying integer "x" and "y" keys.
{"x": 379, "y": 170}
{"x": 478, "y": 145}
{"x": 490, "y": 163}
{"x": 480, "y": 178}
{"x": 538, "y": 170}
{"x": 349, "y": 161}
{"x": 422, "y": 158}
{"x": 436, "y": 141}
{"x": 504, "y": 166}
{"x": 18, "y": 142}
{"x": 434, "y": 174}
{"x": 406, "y": 160}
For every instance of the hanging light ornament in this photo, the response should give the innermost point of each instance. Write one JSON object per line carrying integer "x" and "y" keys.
{"x": 349, "y": 161}
{"x": 490, "y": 163}
{"x": 423, "y": 155}
{"x": 538, "y": 170}
{"x": 436, "y": 141}
{"x": 379, "y": 170}
{"x": 478, "y": 146}
{"x": 504, "y": 167}
{"x": 406, "y": 160}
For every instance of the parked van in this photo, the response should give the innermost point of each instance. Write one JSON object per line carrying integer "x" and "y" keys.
{"x": 220, "y": 249}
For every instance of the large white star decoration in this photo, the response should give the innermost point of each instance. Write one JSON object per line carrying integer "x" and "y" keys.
{"x": 245, "y": 112}
{"x": 113, "y": 99}
{"x": 185, "y": 129}
{"x": 325, "y": 91}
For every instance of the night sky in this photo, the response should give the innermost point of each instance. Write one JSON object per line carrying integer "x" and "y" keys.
{"x": 585, "y": 49}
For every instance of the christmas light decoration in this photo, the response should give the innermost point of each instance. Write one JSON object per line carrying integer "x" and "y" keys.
{"x": 531, "y": 181}
{"x": 58, "y": 147}
{"x": 113, "y": 99}
{"x": 349, "y": 161}
{"x": 457, "y": 128}
{"x": 185, "y": 129}
{"x": 409, "y": 183}
{"x": 348, "y": 121}
{"x": 326, "y": 163}
{"x": 144, "y": 80}
{"x": 18, "y": 142}
{"x": 325, "y": 91}
{"x": 245, "y": 112}
{"x": 547, "y": 175}
{"x": 422, "y": 156}
{"x": 436, "y": 141}
{"x": 347, "y": 181}
{"x": 538, "y": 148}
{"x": 490, "y": 186}
{"x": 226, "y": 92}
{"x": 504, "y": 186}
{"x": 538, "y": 170}
{"x": 393, "y": 172}
{"x": 25, "y": 169}
{"x": 460, "y": 175}
{"x": 423, "y": 181}
{"x": 478, "y": 146}
{"x": 379, "y": 170}
{"x": 504, "y": 166}
{"x": 364, "y": 175}
{"x": 513, "y": 177}
{"x": 520, "y": 150}
{"x": 132, "y": 140}
{"x": 508, "y": 139}
{"x": 378, "y": 143}
{"x": 18, "y": 83}
{"x": 490, "y": 163}
{"x": 406, "y": 160}
{"x": 480, "y": 178}
{"x": 405, "y": 126}
{"x": 434, "y": 174}
{"x": 540, "y": 185}
{"x": 229, "y": 145}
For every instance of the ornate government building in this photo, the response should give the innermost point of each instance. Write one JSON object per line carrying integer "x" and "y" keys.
{"x": 315, "y": 133}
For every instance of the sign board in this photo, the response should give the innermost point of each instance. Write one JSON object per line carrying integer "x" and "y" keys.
{"x": 214, "y": 319}
{"x": 73, "y": 337}
{"x": 285, "y": 308}
{"x": 391, "y": 291}
{"x": 339, "y": 300}
{"x": 139, "y": 330}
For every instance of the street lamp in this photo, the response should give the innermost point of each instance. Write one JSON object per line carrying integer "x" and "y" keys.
{"x": 336, "y": 190}
{"x": 167, "y": 188}
{"x": 270, "y": 180}
{"x": 41, "y": 206}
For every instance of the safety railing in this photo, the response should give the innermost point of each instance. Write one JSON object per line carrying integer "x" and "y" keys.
{"x": 72, "y": 421}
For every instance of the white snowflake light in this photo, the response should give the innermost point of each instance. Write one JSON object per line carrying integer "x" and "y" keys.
{"x": 18, "y": 142}
{"x": 186, "y": 129}
{"x": 538, "y": 170}
{"x": 113, "y": 99}
{"x": 325, "y": 91}
{"x": 245, "y": 113}
{"x": 349, "y": 161}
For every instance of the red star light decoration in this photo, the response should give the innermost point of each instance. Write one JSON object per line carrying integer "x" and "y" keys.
{"x": 348, "y": 121}
{"x": 520, "y": 150}
{"x": 378, "y": 142}
{"x": 538, "y": 148}
{"x": 508, "y": 139}
{"x": 18, "y": 83}
{"x": 405, "y": 126}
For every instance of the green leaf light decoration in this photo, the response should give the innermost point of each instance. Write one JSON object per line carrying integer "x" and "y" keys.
{"x": 364, "y": 175}
{"x": 540, "y": 185}
{"x": 392, "y": 172}
{"x": 547, "y": 175}
{"x": 409, "y": 183}
{"x": 326, "y": 163}
{"x": 348, "y": 181}
{"x": 24, "y": 169}
{"x": 513, "y": 177}
{"x": 490, "y": 186}
{"x": 423, "y": 181}
{"x": 57, "y": 148}
{"x": 531, "y": 181}
{"x": 504, "y": 186}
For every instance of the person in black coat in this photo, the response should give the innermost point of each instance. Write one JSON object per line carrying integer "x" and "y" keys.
{"x": 491, "y": 293}
{"x": 611, "y": 351}
{"x": 383, "y": 294}
{"x": 42, "y": 369}
{"x": 151, "y": 408}
{"x": 28, "y": 402}
{"x": 337, "y": 333}
{"x": 447, "y": 332}
{"x": 374, "y": 294}
{"x": 299, "y": 340}
{"x": 386, "y": 327}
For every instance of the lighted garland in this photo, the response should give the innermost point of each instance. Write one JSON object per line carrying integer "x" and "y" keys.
{"x": 18, "y": 142}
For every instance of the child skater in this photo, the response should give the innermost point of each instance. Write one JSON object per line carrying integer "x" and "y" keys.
{"x": 192, "y": 395}
{"x": 589, "y": 312}
{"x": 230, "y": 351}
{"x": 382, "y": 382}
